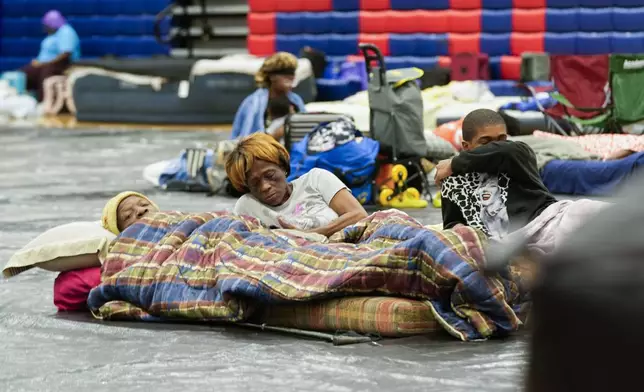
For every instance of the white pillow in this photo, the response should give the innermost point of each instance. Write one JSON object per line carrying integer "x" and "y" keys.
{"x": 72, "y": 246}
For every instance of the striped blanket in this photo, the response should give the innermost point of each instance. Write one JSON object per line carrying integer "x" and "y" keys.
{"x": 220, "y": 267}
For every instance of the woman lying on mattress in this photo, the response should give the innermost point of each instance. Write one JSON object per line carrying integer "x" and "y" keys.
{"x": 124, "y": 209}
{"x": 275, "y": 79}
{"x": 316, "y": 202}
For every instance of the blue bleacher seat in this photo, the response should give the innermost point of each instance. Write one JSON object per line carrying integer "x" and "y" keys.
{"x": 345, "y": 22}
{"x": 628, "y": 19}
{"x": 316, "y": 41}
{"x": 316, "y": 22}
{"x": 289, "y": 23}
{"x": 346, "y": 5}
{"x": 595, "y": 19}
{"x": 14, "y": 63}
{"x": 595, "y": 3}
{"x": 22, "y": 27}
{"x": 496, "y": 21}
{"x": 396, "y": 62}
{"x": 562, "y": 20}
{"x": 627, "y": 43}
{"x": 342, "y": 44}
{"x": 560, "y": 43}
{"x": 140, "y": 25}
{"x": 14, "y": 9}
{"x": 288, "y": 43}
{"x": 430, "y": 45}
{"x": 627, "y": 3}
{"x": 593, "y": 43}
{"x": 495, "y": 44}
{"x": 20, "y": 47}
{"x": 402, "y": 44}
{"x": 112, "y": 7}
{"x": 496, "y": 4}
{"x": 420, "y": 4}
{"x": 495, "y": 67}
{"x": 562, "y": 3}
{"x": 506, "y": 88}
{"x": 425, "y": 63}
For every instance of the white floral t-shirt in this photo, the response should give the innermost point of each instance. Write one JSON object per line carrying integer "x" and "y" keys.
{"x": 307, "y": 208}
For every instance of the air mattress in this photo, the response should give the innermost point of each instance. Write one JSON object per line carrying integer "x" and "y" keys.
{"x": 589, "y": 178}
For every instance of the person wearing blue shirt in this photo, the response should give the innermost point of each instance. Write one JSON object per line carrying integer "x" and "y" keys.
{"x": 58, "y": 50}
{"x": 275, "y": 79}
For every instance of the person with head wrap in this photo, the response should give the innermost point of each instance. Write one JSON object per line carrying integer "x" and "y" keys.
{"x": 317, "y": 202}
{"x": 275, "y": 79}
{"x": 124, "y": 209}
{"x": 58, "y": 50}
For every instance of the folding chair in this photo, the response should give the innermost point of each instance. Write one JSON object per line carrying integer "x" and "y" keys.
{"x": 582, "y": 92}
{"x": 627, "y": 77}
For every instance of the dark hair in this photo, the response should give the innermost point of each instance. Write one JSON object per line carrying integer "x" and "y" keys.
{"x": 279, "y": 107}
{"x": 477, "y": 119}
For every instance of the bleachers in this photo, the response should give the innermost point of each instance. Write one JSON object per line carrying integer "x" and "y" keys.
{"x": 123, "y": 28}
{"x": 419, "y": 32}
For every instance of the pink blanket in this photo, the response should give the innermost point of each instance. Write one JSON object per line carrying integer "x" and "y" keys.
{"x": 603, "y": 145}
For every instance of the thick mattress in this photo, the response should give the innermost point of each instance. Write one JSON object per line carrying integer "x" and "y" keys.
{"x": 589, "y": 178}
{"x": 206, "y": 95}
{"x": 384, "y": 316}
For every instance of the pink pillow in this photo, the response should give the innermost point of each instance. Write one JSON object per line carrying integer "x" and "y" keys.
{"x": 72, "y": 288}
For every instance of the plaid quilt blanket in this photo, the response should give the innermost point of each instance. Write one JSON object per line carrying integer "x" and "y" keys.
{"x": 220, "y": 267}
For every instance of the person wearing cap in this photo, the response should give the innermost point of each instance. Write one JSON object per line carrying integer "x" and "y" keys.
{"x": 275, "y": 79}
{"x": 58, "y": 50}
{"x": 124, "y": 209}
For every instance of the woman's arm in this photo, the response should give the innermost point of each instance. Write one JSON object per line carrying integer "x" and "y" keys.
{"x": 349, "y": 211}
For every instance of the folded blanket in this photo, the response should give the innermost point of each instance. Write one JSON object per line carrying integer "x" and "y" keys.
{"x": 549, "y": 149}
{"x": 220, "y": 267}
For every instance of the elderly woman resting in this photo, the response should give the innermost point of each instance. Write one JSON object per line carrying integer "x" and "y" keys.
{"x": 124, "y": 209}
{"x": 316, "y": 202}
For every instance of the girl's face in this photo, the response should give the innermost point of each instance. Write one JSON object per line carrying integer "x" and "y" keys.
{"x": 282, "y": 84}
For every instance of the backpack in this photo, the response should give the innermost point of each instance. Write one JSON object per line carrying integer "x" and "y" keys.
{"x": 339, "y": 148}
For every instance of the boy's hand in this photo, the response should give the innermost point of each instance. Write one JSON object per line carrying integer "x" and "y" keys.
{"x": 443, "y": 170}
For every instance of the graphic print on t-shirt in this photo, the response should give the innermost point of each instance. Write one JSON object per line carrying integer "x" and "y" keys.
{"x": 482, "y": 200}
{"x": 307, "y": 214}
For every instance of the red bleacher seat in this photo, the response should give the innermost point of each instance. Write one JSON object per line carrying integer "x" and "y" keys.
{"x": 380, "y": 40}
{"x": 375, "y": 5}
{"x": 465, "y": 4}
{"x": 464, "y": 43}
{"x": 262, "y": 5}
{"x": 511, "y": 67}
{"x": 261, "y": 45}
{"x": 470, "y": 66}
{"x": 403, "y": 22}
{"x": 433, "y": 21}
{"x": 290, "y": 5}
{"x": 526, "y": 42}
{"x": 444, "y": 62}
{"x": 529, "y": 21}
{"x": 529, "y": 4}
{"x": 261, "y": 23}
{"x": 465, "y": 21}
{"x": 317, "y": 5}
{"x": 373, "y": 21}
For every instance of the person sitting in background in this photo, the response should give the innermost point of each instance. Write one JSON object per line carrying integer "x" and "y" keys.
{"x": 58, "y": 50}
{"x": 124, "y": 209}
{"x": 494, "y": 185}
{"x": 275, "y": 79}
{"x": 278, "y": 109}
{"x": 316, "y": 202}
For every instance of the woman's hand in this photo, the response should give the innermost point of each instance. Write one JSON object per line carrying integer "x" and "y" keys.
{"x": 285, "y": 225}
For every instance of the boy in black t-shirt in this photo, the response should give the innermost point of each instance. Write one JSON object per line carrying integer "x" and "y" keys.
{"x": 494, "y": 185}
